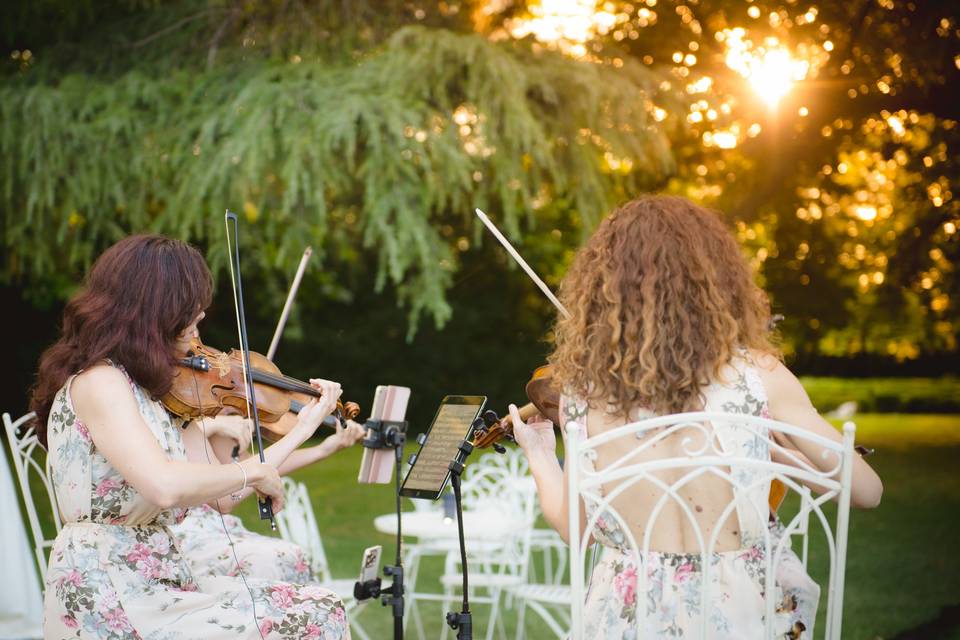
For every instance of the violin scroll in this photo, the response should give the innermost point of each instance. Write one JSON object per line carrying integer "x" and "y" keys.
{"x": 544, "y": 399}
{"x": 349, "y": 410}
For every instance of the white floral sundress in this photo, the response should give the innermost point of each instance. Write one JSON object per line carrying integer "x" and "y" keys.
{"x": 115, "y": 571}
{"x": 203, "y": 543}
{"x": 673, "y": 579}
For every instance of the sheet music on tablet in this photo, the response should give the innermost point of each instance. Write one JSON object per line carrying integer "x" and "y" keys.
{"x": 450, "y": 427}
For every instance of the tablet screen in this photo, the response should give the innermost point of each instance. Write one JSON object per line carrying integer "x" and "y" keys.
{"x": 429, "y": 474}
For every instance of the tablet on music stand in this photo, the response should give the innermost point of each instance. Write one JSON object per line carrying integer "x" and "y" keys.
{"x": 452, "y": 424}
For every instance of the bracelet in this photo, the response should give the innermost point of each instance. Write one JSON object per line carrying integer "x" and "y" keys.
{"x": 236, "y": 496}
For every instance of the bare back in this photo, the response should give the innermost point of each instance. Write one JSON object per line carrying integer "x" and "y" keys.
{"x": 706, "y": 496}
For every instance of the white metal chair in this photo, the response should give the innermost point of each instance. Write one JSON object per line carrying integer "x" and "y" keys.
{"x": 552, "y": 551}
{"x": 499, "y": 484}
{"x": 480, "y": 484}
{"x": 21, "y": 609}
{"x": 298, "y": 524}
{"x": 549, "y": 599}
{"x": 414, "y": 553}
{"x": 706, "y": 456}
{"x": 30, "y": 459}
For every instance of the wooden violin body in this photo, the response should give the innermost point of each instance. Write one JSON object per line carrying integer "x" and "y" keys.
{"x": 275, "y": 430}
{"x": 209, "y": 381}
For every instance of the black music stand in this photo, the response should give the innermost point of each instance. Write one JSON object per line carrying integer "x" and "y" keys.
{"x": 388, "y": 434}
{"x": 462, "y": 622}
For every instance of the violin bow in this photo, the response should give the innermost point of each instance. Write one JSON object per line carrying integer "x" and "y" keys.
{"x": 264, "y": 504}
{"x": 294, "y": 286}
{"x": 523, "y": 263}
{"x": 289, "y": 303}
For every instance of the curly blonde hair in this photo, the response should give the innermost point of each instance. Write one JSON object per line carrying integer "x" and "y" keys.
{"x": 660, "y": 299}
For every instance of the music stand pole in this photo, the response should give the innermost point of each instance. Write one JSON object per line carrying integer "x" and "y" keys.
{"x": 388, "y": 434}
{"x": 461, "y": 622}
{"x": 395, "y": 596}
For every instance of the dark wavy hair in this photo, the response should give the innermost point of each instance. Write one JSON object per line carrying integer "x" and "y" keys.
{"x": 660, "y": 299}
{"x": 138, "y": 297}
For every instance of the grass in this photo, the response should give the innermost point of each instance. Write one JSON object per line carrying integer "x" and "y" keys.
{"x": 902, "y": 559}
{"x": 886, "y": 395}
{"x": 902, "y": 564}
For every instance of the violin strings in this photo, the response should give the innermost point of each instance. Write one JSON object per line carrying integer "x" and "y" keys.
{"x": 283, "y": 382}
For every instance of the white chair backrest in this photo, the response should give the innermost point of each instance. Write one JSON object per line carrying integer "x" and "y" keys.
{"x": 501, "y": 484}
{"x": 298, "y": 524}
{"x": 491, "y": 474}
{"x": 705, "y": 454}
{"x": 30, "y": 459}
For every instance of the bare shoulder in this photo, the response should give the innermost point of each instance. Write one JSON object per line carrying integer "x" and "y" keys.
{"x": 766, "y": 362}
{"x": 781, "y": 383}
{"x": 98, "y": 376}
{"x": 99, "y": 388}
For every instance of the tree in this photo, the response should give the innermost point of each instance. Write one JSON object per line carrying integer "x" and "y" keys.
{"x": 826, "y": 132}
{"x": 387, "y": 147}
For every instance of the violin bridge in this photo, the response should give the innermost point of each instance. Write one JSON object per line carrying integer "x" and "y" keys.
{"x": 222, "y": 363}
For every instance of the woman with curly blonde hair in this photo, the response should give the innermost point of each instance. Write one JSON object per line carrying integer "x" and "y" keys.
{"x": 665, "y": 318}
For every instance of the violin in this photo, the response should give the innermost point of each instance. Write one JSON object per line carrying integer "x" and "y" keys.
{"x": 208, "y": 381}
{"x": 543, "y": 399}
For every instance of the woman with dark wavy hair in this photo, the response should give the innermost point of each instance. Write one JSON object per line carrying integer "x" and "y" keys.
{"x": 665, "y": 318}
{"x": 122, "y": 476}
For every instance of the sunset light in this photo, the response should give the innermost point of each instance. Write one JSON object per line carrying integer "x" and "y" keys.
{"x": 769, "y": 68}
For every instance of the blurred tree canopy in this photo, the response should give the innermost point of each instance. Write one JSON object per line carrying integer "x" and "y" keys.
{"x": 828, "y": 134}
{"x": 377, "y": 154}
{"x": 371, "y": 129}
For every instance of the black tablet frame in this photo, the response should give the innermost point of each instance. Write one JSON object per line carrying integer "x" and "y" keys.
{"x": 425, "y": 494}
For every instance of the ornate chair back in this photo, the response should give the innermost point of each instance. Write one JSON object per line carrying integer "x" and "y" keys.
{"x": 706, "y": 454}
{"x": 298, "y": 524}
{"x": 30, "y": 462}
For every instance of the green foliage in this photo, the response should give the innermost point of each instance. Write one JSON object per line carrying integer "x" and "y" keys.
{"x": 381, "y": 154}
{"x": 340, "y": 125}
{"x": 886, "y": 395}
{"x": 842, "y": 194}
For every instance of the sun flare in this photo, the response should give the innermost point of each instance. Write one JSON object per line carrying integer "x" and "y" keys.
{"x": 769, "y": 68}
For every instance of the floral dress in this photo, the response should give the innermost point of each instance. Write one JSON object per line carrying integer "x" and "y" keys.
{"x": 203, "y": 543}
{"x": 673, "y": 583}
{"x": 115, "y": 571}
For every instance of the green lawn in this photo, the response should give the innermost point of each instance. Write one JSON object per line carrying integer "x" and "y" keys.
{"x": 886, "y": 395}
{"x": 903, "y": 562}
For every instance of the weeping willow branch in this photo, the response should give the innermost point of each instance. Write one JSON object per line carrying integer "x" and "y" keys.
{"x": 381, "y": 153}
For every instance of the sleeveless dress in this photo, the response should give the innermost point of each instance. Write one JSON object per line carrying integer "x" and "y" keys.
{"x": 672, "y": 599}
{"x": 115, "y": 571}
{"x": 203, "y": 543}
